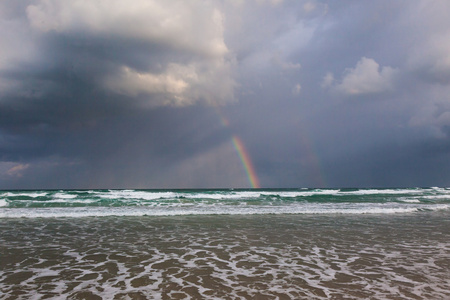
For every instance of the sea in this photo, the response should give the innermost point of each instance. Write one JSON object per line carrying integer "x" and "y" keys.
{"x": 225, "y": 244}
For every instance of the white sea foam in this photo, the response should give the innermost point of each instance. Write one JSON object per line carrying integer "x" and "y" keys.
{"x": 438, "y": 207}
{"x": 154, "y": 195}
{"x": 409, "y": 200}
{"x": 64, "y": 195}
{"x": 229, "y": 194}
{"x": 307, "y": 193}
{"x": 381, "y": 192}
{"x": 66, "y": 200}
{"x": 132, "y": 194}
{"x": 76, "y": 212}
{"x": 218, "y": 195}
{"x": 292, "y": 194}
{"x": 26, "y": 194}
{"x": 437, "y": 197}
{"x": 201, "y": 202}
{"x": 229, "y": 262}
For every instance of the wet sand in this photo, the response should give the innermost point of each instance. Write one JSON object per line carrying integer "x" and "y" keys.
{"x": 403, "y": 256}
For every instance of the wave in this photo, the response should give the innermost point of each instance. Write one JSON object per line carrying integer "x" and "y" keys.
{"x": 155, "y": 194}
{"x": 346, "y": 209}
{"x": 72, "y": 203}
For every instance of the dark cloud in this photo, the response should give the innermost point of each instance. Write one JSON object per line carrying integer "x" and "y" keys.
{"x": 322, "y": 93}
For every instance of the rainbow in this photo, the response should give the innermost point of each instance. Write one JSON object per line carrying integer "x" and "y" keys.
{"x": 241, "y": 151}
{"x": 310, "y": 159}
{"x": 246, "y": 162}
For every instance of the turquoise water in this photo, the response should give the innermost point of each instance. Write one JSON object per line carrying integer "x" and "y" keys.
{"x": 83, "y": 203}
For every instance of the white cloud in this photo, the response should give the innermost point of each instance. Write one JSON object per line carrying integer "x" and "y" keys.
{"x": 134, "y": 83}
{"x": 195, "y": 62}
{"x": 365, "y": 78}
{"x": 178, "y": 85}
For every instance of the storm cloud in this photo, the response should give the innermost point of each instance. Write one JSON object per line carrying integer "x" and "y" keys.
{"x": 149, "y": 94}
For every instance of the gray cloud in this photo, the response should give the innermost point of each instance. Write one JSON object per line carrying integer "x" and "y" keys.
{"x": 149, "y": 94}
{"x": 171, "y": 54}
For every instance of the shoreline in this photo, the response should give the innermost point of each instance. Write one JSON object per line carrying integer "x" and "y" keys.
{"x": 239, "y": 257}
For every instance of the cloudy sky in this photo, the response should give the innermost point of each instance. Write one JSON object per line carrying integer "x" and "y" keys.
{"x": 226, "y": 93}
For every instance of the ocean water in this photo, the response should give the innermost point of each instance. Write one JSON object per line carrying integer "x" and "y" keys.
{"x": 225, "y": 244}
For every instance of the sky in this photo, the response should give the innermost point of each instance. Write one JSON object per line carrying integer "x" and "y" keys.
{"x": 224, "y": 94}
